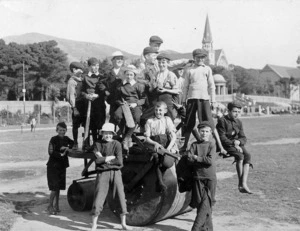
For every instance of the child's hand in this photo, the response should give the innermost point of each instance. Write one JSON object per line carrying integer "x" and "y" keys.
{"x": 89, "y": 97}
{"x": 237, "y": 143}
{"x": 108, "y": 159}
{"x": 223, "y": 151}
{"x": 239, "y": 149}
{"x": 157, "y": 146}
{"x": 63, "y": 148}
{"x": 132, "y": 105}
{"x": 98, "y": 155}
{"x": 161, "y": 90}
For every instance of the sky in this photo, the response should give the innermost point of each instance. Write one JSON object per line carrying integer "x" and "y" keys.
{"x": 252, "y": 33}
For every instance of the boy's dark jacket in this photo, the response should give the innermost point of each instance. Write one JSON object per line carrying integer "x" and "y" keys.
{"x": 55, "y": 159}
{"x": 113, "y": 148}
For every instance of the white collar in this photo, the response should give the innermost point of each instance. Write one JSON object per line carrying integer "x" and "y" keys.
{"x": 132, "y": 82}
{"x": 90, "y": 74}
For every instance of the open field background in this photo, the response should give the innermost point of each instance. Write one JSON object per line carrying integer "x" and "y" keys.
{"x": 273, "y": 141}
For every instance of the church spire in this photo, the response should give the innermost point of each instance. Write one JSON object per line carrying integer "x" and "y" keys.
{"x": 207, "y": 36}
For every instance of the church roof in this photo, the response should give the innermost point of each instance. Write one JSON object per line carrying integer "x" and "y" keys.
{"x": 283, "y": 72}
{"x": 207, "y": 36}
{"x": 217, "y": 55}
{"x": 219, "y": 78}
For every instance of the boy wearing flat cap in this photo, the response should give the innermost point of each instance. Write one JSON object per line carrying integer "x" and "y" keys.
{"x": 198, "y": 92}
{"x": 114, "y": 77}
{"x": 132, "y": 93}
{"x": 94, "y": 89}
{"x": 75, "y": 99}
{"x": 202, "y": 160}
{"x": 233, "y": 139}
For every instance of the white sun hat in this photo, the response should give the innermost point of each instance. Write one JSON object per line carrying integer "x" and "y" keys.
{"x": 108, "y": 127}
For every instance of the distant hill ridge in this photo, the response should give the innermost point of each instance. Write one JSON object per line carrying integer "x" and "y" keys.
{"x": 79, "y": 50}
{"x": 76, "y": 50}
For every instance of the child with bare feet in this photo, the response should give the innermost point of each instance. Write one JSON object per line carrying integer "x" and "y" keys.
{"x": 109, "y": 161}
{"x": 57, "y": 164}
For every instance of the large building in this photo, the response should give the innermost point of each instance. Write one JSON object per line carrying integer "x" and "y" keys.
{"x": 215, "y": 57}
{"x": 286, "y": 80}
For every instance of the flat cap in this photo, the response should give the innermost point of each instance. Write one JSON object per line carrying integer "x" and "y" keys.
{"x": 155, "y": 39}
{"x": 76, "y": 65}
{"x": 232, "y": 105}
{"x": 149, "y": 50}
{"x": 199, "y": 52}
{"x": 93, "y": 61}
{"x": 205, "y": 124}
{"x": 163, "y": 56}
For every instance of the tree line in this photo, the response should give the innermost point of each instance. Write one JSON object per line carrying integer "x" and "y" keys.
{"x": 46, "y": 73}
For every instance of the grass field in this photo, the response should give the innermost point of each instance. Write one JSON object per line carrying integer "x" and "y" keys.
{"x": 275, "y": 178}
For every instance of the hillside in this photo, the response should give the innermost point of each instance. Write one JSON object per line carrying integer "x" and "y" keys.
{"x": 76, "y": 50}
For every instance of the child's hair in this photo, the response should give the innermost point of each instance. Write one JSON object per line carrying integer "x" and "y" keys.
{"x": 161, "y": 104}
{"x": 62, "y": 125}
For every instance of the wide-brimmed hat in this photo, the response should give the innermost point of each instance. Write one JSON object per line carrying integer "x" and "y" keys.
{"x": 117, "y": 54}
{"x": 108, "y": 127}
{"x": 131, "y": 68}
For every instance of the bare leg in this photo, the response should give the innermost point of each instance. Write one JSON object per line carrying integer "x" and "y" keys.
{"x": 216, "y": 135}
{"x": 239, "y": 170}
{"x": 51, "y": 200}
{"x": 123, "y": 222}
{"x": 245, "y": 178}
{"x": 94, "y": 223}
{"x": 56, "y": 207}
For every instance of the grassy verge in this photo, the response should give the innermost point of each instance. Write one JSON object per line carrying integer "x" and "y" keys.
{"x": 7, "y": 216}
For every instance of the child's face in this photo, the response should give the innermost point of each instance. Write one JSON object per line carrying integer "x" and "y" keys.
{"x": 234, "y": 113}
{"x": 61, "y": 131}
{"x": 107, "y": 136}
{"x": 180, "y": 72}
{"x": 199, "y": 60}
{"x": 118, "y": 61}
{"x": 156, "y": 46}
{"x": 151, "y": 57}
{"x": 163, "y": 64}
{"x": 160, "y": 111}
{"x": 94, "y": 68}
{"x": 129, "y": 76}
{"x": 205, "y": 133}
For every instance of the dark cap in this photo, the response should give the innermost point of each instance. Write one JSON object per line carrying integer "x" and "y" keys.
{"x": 232, "y": 105}
{"x": 76, "y": 65}
{"x": 62, "y": 125}
{"x": 92, "y": 61}
{"x": 155, "y": 39}
{"x": 149, "y": 50}
{"x": 205, "y": 124}
{"x": 163, "y": 56}
{"x": 199, "y": 52}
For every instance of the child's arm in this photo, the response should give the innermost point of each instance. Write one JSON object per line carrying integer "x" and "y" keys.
{"x": 242, "y": 137}
{"x": 221, "y": 128}
{"x": 51, "y": 150}
{"x": 217, "y": 137}
{"x": 117, "y": 159}
{"x": 171, "y": 129}
{"x": 141, "y": 94}
{"x": 100, "y": 159}
{"x": 185, "y": 89}
{"x": 148, "y": 139}
{"x": 211, "y": 86}
{"x": 202, "y": 158}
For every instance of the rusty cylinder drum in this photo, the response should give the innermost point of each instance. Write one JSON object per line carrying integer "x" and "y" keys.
{"x": 144, "y": 204}
{"x": 81, "y": 194}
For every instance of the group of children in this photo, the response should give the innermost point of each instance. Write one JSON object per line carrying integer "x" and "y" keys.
{"x": 150, "y": 92}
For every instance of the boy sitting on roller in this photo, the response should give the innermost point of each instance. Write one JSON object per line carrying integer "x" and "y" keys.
{"x": 160, "y": 133}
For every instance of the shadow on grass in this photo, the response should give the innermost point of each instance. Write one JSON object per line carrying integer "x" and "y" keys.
{"x": 32, "y": 207}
